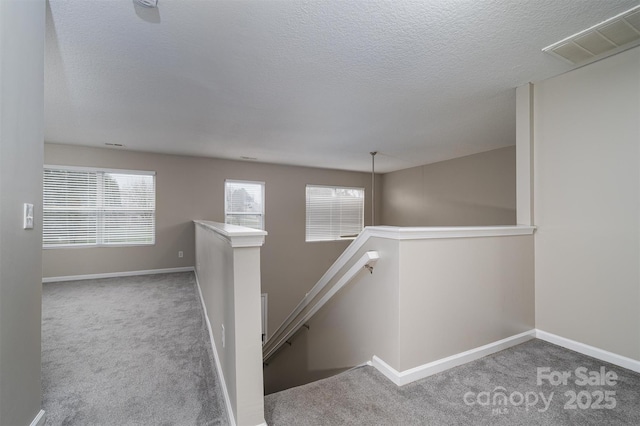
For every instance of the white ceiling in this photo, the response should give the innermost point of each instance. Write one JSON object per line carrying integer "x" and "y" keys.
{"x": 314, "y": 83}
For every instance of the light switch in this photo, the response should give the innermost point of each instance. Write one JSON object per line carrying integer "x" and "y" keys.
{"x": 28, "y": 216}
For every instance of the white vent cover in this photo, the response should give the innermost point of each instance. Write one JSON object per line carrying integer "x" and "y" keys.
{"x": 606, "y": 38}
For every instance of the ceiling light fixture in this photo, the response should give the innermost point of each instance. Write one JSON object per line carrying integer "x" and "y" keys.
{"x": 612, "y": 36}
{"x": 146, "y": 3}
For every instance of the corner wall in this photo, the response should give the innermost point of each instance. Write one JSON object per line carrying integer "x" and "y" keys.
{"x": 22, "y": 25}
{"x": 477, "y": 190}
{"x": 587, "y": 204}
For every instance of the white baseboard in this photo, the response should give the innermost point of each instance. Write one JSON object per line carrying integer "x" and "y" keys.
{"x": 117, "y": 274}
{"x": 601, "y": 354}
{"x": 223, "y": 384}
{"x": 401, "y": 378}
{"x": 39, "y": 419}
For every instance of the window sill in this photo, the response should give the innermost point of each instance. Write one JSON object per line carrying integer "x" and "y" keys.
{"x": 85, "y": 246}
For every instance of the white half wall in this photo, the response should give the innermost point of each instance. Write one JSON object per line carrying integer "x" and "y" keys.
{"x": 228, "y": 272}
{"x": 458, "y": 294}
{"x": 435, "y": 293}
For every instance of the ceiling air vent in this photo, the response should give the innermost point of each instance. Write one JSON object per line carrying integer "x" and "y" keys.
{"x": 606, "y": 38}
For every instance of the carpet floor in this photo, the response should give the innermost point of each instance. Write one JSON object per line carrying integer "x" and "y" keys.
{"x": 472, "y": 394}
{"x": 128, "y": 351}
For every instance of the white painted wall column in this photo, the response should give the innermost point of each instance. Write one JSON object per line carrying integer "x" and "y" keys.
{"x": 524, "y": 155}
{"x": 228, "y": 273}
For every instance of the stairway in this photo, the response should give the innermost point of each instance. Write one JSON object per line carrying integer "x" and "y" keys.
{"x": 363, "y": 396}
{"x": 358, "y": 396}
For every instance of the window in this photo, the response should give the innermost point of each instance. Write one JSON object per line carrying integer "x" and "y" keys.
{"x": 92, "y": 207}
{"x": 334, "y": 213}
{"x": 244, "y": 203}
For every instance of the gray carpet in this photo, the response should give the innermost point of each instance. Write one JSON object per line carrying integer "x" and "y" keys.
{"x": 128, "y": 351}
{"x": 363, "y": 396}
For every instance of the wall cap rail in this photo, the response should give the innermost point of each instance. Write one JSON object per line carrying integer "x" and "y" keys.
{"x": 236, "y": 236}
{"x": 431, "y": 232}
{"x": 387, "y": 232}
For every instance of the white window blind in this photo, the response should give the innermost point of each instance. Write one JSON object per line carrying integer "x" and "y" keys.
{"x": 334, "y": 213}
{"x": 92, "y": 207}
{"x": 244, "y": 203}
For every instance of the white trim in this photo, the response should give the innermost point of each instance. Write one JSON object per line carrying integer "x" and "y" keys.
{"x": 401, "y": 378}
{"x": 117, "y": 274}
{"x": 245, "y": 181}
{"x": 368, "y": 259}
{"x": 435, "y": 232}
{"x": 236, "y": 236}
{"x": 99, "y": 169}
{"x": 592, "y": 351}
{"x": 39, "y": 419}
{"x": 223, "y": 383}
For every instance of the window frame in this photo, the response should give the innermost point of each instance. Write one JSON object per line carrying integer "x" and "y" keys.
{"x": 334, "y": 187}
{"x": 100, "y": 213}
{"x": 226, "y": 202}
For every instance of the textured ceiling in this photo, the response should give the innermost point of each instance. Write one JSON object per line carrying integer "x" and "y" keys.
{"x": 315, "y": 83}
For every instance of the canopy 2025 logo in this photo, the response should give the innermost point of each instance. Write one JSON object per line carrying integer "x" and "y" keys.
{"x": 584, "y": 399}
{"x": 596, "y": 399}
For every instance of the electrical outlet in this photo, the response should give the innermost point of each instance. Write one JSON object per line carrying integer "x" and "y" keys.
{"x": 223, "y": 337}
{"x": 180, "y": 254}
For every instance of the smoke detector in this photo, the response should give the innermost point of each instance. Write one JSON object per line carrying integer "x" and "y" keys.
{"x": 146, "y": 3}
{"x": 612, "y": 36}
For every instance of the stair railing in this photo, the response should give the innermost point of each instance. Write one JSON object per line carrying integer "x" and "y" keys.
{"x": 294, "y": 322}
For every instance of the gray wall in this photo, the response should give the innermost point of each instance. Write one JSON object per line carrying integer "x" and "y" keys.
{"x": 189, "y": 188}
{"x": 478, "y": 190}
{"x": 458, "y": 294}
{"x": 21, "y": 135}
{"x": 587, "y": 204}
